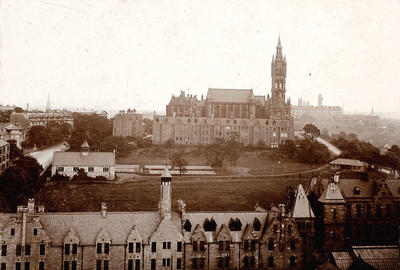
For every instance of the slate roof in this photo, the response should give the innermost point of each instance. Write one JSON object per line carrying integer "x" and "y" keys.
{"x": 221, "y": 218}
{"x": 394, "y": 187}
{"x": 77, "y": 159}
{"x": 343, "y": 260}
{"x": 302, "y": 208}
{"x": 347, "y": 187}
{"x": 348, "y": 162}
{"x": 88, "y": 225}
{"x": 380, "y": 257}
{"x": 230, "y": 95}
{"x": 331, "y": 194}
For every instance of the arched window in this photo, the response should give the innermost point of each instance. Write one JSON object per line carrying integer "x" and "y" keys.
{"x": 256, "y": 224}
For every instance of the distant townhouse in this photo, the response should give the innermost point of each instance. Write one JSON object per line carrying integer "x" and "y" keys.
{"x": 4, "y": 155}
{"x": 10, "y": 132}
{"x": 129, "y": 123}
{"x": 93, "y": 163}
{"x": 161, "y": 239}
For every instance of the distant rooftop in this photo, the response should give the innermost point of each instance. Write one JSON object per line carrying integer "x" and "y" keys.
{"x": 348, "y": 162}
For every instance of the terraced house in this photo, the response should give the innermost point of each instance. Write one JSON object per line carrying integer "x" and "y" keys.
{"x": 163, "y": 239}
{"x": 226, "y": 113}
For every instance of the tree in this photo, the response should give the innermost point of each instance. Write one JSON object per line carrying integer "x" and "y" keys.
{"x": 178, "y": 161}
{"x": 20, "y": 182}
{"x": 92, "y": 128}
{"x": 312, "y": 130}
{"x": 232, "y": 151}
{"x": 261, "y": 144}
{"x": 290, "y": 148}
{"x": 37, "y": 135}
{"x": 170, "y": 142}
{"x": 313, "y": 152}
{"x": 215, "y": 155}
{"x": 119, "y": 144}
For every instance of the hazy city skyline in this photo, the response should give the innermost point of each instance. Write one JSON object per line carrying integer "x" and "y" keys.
{"x": 135, "y": 54}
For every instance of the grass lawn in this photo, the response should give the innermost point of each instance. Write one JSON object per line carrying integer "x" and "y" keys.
{"x": 199, "y": 193}
{"x": 257, "y": 162}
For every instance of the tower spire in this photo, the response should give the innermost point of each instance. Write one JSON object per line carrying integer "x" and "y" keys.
{"x": 278, "y": 54}
{"x": 48, "y": 105}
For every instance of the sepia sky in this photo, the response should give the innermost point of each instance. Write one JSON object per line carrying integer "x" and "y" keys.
{"x": 134, "y": 54}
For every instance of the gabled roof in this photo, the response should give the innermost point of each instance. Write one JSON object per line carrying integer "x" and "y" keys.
{"x": 230, "y": 95}
{"x": 302, "y": 208}
{"x": 3, "y": 143}
{"x": 77, "y": 159}
{"x": 223, "y": 218}
{"x": 331, "y": 194}
{"x": 394, "y": 187}
{"x": 347, "y": 162}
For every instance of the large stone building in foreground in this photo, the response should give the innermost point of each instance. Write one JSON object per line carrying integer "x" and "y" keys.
{"x": 163, "y": 239}
{"x": 225, "y": 113}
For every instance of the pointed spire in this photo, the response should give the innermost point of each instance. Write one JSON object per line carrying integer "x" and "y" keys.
{"x": 279, "y": 49}
{"x": 48, "y": 105}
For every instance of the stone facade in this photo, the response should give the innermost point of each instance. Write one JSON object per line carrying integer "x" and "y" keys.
{"x": 11, "y": 132}
{"x": 4, "y": 155}
{"x": 226, "y": 112}
{"x": 354, "y": 210}
{"x": 151, "y": 240}
{"x": 128, "y": 123}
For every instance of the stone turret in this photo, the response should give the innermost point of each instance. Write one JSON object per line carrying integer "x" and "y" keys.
{"x": 165, "y": 195}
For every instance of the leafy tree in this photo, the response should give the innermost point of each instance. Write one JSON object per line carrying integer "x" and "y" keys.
{"x": 20, "y": 182}
{"x": 232, "y": 151}
{"x": 37, "y": 135}
{"x": 215, "y": 155}
{"x": 312, "y": 130}
{"x": 170, "y": 142}
{"x": 261, "y": 144}
{"x": 119, "y": 144}
{"x": 313, "y": 152}
{"x": 290, "y": 148}
{"x": 92, "y": 128}
{"x": 148, "y": 126}
{"x": 178, "y": 161}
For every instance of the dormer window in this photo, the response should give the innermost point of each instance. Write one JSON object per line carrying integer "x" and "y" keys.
{"x": 256, "y": 224}
{"x": 187, "y": 226}
{"x": 356, "y": 191}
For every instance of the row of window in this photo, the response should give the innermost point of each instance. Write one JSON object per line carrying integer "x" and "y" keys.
{"x": 166, "y": 245}
{"x": 368, "y": 210}
{"x": 18, "y": 250}
{"x": 166, "y": 262}
{"x": 76, "y": 169}
{"x": 27, "y": 265}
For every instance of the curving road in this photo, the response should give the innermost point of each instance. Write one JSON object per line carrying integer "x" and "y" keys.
{"x": 45, "y": 156}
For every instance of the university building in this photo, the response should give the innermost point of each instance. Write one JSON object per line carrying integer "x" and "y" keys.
{"x": 163, "y": 239}
{"x": 129, "y": 123}
{"x": 225, "y": 113}
{"x": 353, "y": 210}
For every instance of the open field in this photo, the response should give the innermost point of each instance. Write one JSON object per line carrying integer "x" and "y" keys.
{"x": 257, "y": 162}
{"x": 199, "y": 193}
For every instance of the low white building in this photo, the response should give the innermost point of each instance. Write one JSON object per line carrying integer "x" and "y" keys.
{"x": 94, "y": 163}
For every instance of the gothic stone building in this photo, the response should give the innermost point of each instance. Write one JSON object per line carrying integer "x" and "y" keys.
{"x": 354, "y": 210}
{"x": 163, "y": 239}
{"x": 228, "y": 112}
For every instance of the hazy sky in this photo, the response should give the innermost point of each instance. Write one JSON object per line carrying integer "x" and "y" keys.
{"x": 134, "y": 54}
